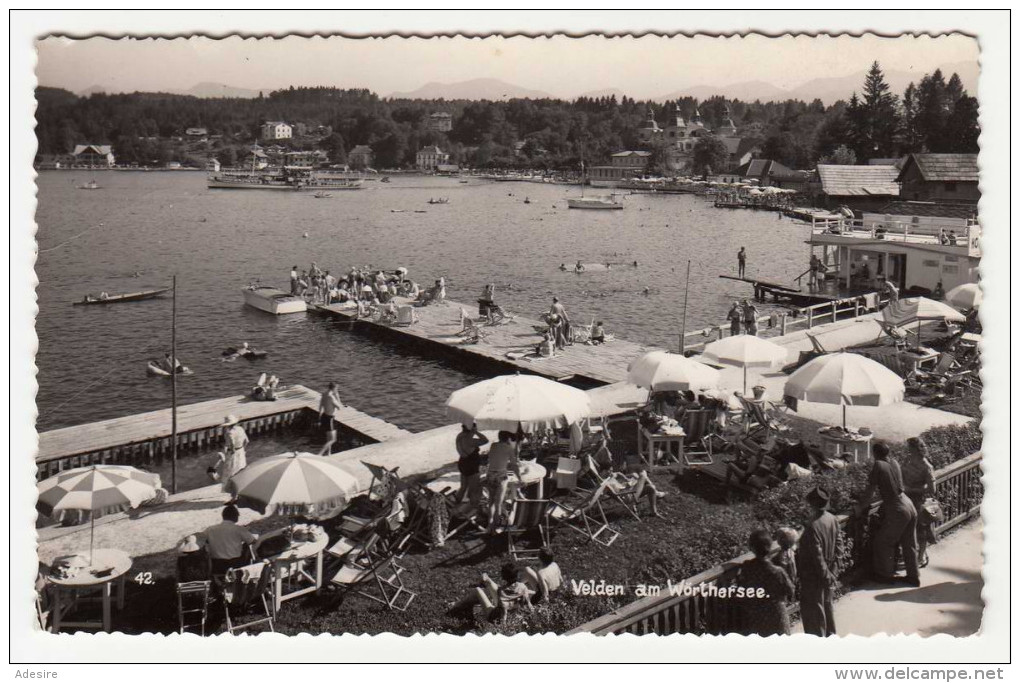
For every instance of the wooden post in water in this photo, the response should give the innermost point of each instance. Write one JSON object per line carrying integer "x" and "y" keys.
{"x": 173, "y": 391}
{"x": 683, "y": 321}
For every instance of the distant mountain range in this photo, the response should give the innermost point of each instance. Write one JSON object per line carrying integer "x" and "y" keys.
{"x": 475, "y": 89}
{"x": 828, "y": 90}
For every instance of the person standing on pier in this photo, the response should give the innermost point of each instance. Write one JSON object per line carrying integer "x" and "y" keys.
{"x": 741, "y": 262}
{"x": 562, "y": 330}
{"x": 235, "y": 458}
{"x": 329, "y": 403}
{"x": 469, "y": 463}
{"x": 736, "y": 317}
{"x": 293, "y": 280}
{"x": 816, "y": 565}
{"x": 750, "y": 318}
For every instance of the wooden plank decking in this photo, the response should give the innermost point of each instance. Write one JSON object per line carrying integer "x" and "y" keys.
{"x": 438, "y": 326}
{"x": 99, "y": 436}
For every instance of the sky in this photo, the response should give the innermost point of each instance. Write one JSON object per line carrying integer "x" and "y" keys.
{"x": 644, "y": 67}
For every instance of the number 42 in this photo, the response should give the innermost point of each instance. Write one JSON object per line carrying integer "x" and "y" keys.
{"x": 143, "y": 578}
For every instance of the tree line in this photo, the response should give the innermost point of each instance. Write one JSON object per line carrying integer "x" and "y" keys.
{"x": 935, "y": 115}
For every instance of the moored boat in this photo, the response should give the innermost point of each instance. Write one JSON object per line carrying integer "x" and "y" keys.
{"x": 603, "y": 202}
{"x": 104, "y": 298}
{"x": 275, "y": 301}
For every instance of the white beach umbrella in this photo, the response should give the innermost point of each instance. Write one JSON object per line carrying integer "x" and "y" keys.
{"x": 745, "y": 351}
{"x": 845, "y": 379}
{"x": 518, "y": 402}
{"x": 966, "y": 296}
{"x": 665, "y": 371}
{"x": 293, "y": 483}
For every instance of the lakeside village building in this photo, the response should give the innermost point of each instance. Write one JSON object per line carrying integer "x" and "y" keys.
{"x": 680, "y": 138}
{"x": 360, "y": 156}
{"x": 276, "y": 130}
{"x": 431, "y": 158}
{"x": 440, "y": 122}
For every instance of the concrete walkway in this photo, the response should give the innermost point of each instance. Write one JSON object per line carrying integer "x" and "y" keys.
{"x": 948, "y": 601}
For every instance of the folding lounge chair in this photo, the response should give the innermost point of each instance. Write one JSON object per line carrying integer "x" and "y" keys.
{"x": 586, "y": 516}
{"x": 247, "y": 593}
{"x": 378, "y": 569}
{"x": 193, "y": 597}
{"x": 627, "y": 495}
{"x": 526, "y": 517}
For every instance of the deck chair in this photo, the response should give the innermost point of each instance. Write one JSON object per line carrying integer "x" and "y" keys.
{"x": 697, "y": 425}
{"x": 526, "y": 517}
{"x": 378, "y": 569}
{"x": 567, "y": 473}
{"x": 247, "y": 594}
{"x": 193, "y": 598}
{"x": 627, "y": 495}
{"x": 586, "y": 516}
{"x": 406, "y": 316}
{"x": 759, "y": 421}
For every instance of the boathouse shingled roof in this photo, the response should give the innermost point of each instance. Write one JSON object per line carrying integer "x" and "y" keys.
{"x": 850, "y": 181}
{"x": 929, "y": 209}
{"x": 940, "y": 168}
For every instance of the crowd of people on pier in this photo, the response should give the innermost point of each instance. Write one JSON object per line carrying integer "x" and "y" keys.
{"x": 362, "y": 285}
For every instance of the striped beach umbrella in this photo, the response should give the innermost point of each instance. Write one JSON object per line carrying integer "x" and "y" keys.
{"x": 664, "y": 371}
{"x": 98, "y": 489}
{"x": 293, "y": 484}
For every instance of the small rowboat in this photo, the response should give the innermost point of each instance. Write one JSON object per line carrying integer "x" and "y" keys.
{"x": 91, "y": 300}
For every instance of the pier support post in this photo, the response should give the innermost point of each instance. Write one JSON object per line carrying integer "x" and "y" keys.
{"x": 834, "y": 307}
{"x": 782, "y": 324}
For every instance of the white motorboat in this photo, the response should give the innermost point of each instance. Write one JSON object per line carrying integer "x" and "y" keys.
{"x": 602, "y": 202}
{"x": 275, "y": 301}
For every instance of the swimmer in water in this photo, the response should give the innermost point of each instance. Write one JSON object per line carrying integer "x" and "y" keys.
{"x": 563, "y": 266}
{"x": 635, "y": 264}
{"x": 579, "y": 267}
{"x": 646, "y": 291}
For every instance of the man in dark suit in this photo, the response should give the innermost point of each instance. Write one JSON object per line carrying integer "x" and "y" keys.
{"x": 816, "y": 565}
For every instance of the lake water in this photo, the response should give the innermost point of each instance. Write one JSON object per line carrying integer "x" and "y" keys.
{"x": 144, "y": 227}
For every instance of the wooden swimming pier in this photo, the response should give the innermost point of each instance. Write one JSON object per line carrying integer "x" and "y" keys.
{"x": 509, "y": 345}
{"x": 145, "y": 438}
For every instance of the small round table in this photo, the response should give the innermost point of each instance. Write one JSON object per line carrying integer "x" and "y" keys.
{"x": 836, "y": 441}
{"x": 290, "y": 567}
{"x": 119, "y": 564}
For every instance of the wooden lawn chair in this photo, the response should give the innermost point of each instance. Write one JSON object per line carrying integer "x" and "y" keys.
{"x": 248, "y": 595}
{"x": 378, "y": 569}
{"x": 526, "y": 517}
{"x": 586, "y": 516}
{"x": 193, "y": 597}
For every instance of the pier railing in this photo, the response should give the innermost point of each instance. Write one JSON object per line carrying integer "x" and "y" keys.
{"x": 149, "y": 451}
{"x": 783, "y": 322}
{"x": 892, "y": 230}
{"x": 701, "y": 607}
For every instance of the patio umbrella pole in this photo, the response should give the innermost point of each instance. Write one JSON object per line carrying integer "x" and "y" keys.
{"x": 844, "y": 417}
{"x": 683, "y": 321}
{"x": 745, "y": 380}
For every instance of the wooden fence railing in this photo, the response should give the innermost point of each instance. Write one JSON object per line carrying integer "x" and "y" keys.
{"x": 703, "y": 611}
{"x": 807, "y": 317}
